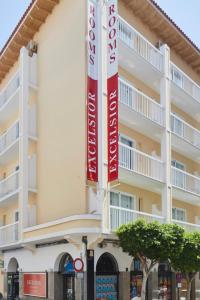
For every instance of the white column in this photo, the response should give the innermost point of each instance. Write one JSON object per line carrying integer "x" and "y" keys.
{"x": 166, "y": 134}
{"x": 23, "y": 146}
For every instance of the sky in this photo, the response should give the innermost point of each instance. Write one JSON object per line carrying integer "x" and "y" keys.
{"x": 10, "y": 13}
{"x": 185, "y": 14}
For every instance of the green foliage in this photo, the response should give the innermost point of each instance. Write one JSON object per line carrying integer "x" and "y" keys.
{"x": 153, "y": 240}
{"x": 188, "y": 260}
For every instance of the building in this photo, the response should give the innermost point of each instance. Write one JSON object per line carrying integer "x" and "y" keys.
{"x": 50, "y": 213}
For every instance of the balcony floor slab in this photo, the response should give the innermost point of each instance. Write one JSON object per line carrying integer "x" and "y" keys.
{"x": 131, "y": 61}
{"x": 141, "y": 181}
{"x": 140, "y": 123}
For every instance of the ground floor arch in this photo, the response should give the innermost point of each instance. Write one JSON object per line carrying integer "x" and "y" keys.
{"x": 107, "y": 277}
{"x": 64, "y": 277}
{"x": 13, "y": 279}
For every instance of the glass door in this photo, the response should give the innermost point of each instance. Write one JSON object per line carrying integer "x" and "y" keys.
{"x": 126, "y": 155}
{"x": 177, "y": 126}
{"x": 69, "y": 287}
{"x": 180, "y": 177}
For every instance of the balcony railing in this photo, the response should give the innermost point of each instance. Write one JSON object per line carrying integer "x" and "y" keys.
{"x": 185, "y": 82}
{"x": 139, "y": 162}
{"x": 187, "y": 226}
{"x": 9, "y": 137}
{"x": 185, "y": 131}
{"x": 138, "y": 43}
{"x": 9, "y": 234}
{"x": 185, "y": 181}
{"x": 119, "y": 216}
{"x": 9, "y": 185}
{"x": 139, "y": 102}
{"x": 9, "y": 90}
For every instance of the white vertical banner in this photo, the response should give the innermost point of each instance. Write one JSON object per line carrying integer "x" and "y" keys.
{"x": 112, "y": 89}
{"x": 92, "y": 92}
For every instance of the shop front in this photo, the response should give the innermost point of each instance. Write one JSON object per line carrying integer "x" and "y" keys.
{"x": 107, "y": 278}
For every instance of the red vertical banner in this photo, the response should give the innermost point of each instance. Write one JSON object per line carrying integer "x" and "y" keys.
{"x": 92, "y": 93}
{"x": 112, "y": 89}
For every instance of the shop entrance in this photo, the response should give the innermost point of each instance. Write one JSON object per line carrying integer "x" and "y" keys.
{"x": 165, "y": 282}
{"x": 136, "y": 277}
{"x": 13, "y": 280}
{"x": 68, "y": 277}
{"x": 107, "y": 277}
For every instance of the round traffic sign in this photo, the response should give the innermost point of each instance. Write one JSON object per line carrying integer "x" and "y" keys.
{"x": 78, "y": 265}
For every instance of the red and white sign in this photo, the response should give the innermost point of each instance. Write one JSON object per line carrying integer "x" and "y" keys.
{"x": 112, "y": 89}
{"x": 92, "y": 93}
{"x": 78, "y": 265}
{"x": 35, "y": 284}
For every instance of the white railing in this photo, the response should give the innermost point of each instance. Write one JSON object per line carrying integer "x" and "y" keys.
{"x": 185, "y": 130}
{"x": 9, "y": 90}
{"x": 9, "y": 137}
{"x": 119, "y": 216}
{"x": 9, "y": 233}
{"x": 9, "y": 185}
{"x": 185, "y": 181}
{"x": 138, "y": 43}
{"x": 187, "y": 226}
{"x": 139, "y": 102}
{"x": 185, "y": 82}
{"x": 139, "y": 162}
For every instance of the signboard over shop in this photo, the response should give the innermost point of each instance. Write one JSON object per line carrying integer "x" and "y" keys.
{"x": 35, "y": 284}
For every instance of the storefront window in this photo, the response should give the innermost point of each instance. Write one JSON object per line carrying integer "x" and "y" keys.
{"x": 136, "y": 281}
{"x": 164, "y": 282}
{"x": 107, "y": 278}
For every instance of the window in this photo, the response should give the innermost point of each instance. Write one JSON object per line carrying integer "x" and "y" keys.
{"x": 178, "y": 214}
{"x": 16, "y": 216}
{"x": 122, "y": 200}
{"x": 178, "y": 165}
{"x": 126, "y": 140}
{"x": 177, "y": 78}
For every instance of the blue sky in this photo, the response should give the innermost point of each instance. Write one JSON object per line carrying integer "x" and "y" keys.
{"x": 10, "y": 13}
{"x": 184, "y": 13}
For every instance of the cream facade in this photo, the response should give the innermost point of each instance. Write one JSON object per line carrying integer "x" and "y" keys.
{"x": 49, "y": 212}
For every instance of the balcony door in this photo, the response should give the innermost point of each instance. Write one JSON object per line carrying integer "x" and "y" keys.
{"x": 179, "y": 214}
{"x": 177, "y": 125}
{"x": 126, "y": 155}
{"x": 121, "y": 211}
{"x": 180, "y": 177}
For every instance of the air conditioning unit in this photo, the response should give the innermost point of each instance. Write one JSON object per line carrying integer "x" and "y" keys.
{"x": 159, "y": 44}
{"x": 32, "y": 47}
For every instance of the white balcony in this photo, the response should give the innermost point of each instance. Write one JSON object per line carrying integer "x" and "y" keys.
{"x": 9, "y": 187}
{"x": 185, "y": 92}
{"x": 188, "y": 226}
{"x": 119, "y": 216}
{"x": 140, "y": 169}
{"x": 138, "y": 111}
{"x": 9, "y": 144}
{"x": 9, "y": 234}
{"x": 185, "y": 138}
{"x": 137, "y": 54}
{"x": 186, "y": 186}
{"x": 9, "y": 98}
